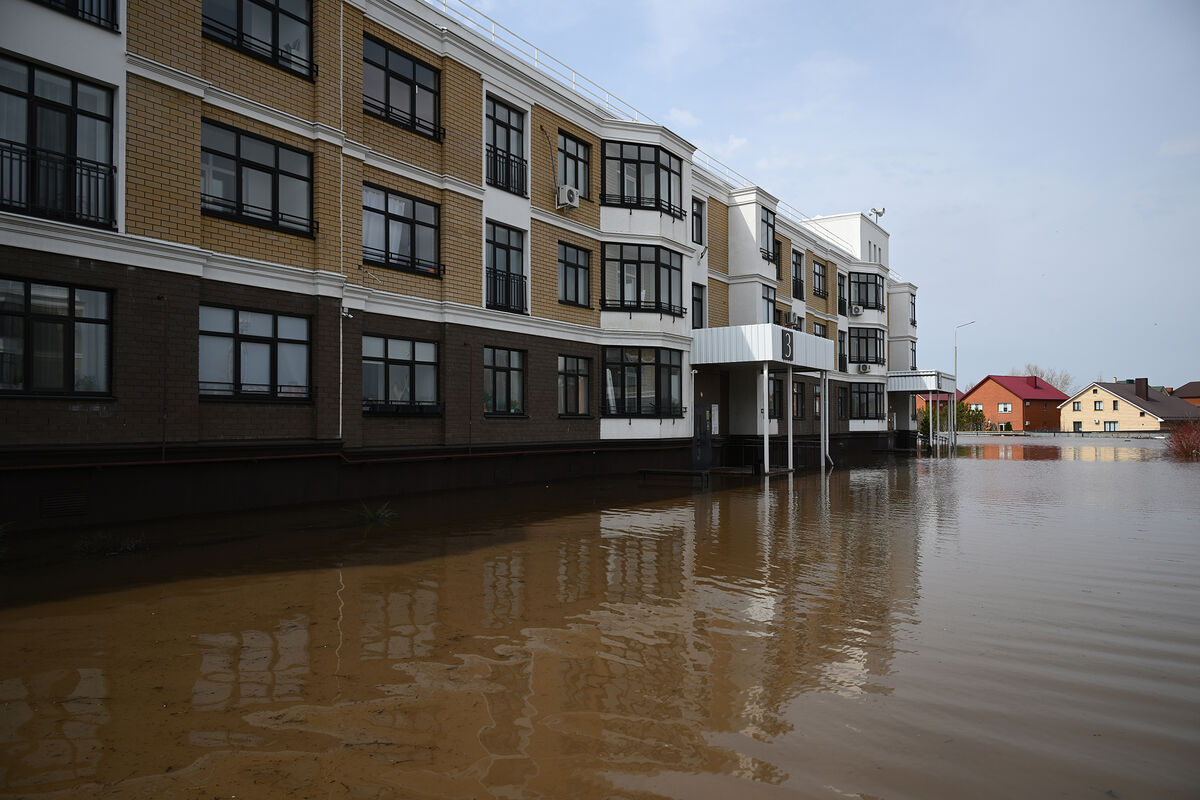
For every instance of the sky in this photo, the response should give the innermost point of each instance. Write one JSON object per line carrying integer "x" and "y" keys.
{"x": 1039, "y": 163}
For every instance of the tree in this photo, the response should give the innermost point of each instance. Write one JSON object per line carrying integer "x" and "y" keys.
{"x": 967, "y": 420}
{"x": 1058, "y": 378}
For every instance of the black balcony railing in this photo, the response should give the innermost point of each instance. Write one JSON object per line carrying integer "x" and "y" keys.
{"x": 797, "y": 287}
{"x": 43, "y": 183}
{"x": 506, "y": 291}
{"x": 98, "y": 12}
{"x": 283, "y": 57}
{"x": 843, "y": 363}
{"x": 505, "y": 171}
{"x": 842, "y": 306}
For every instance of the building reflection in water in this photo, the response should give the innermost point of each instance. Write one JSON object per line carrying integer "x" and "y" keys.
{"x": 50, "y": 726}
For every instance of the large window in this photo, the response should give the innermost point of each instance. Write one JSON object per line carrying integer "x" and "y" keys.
{"x": 54, "y": 339}
{"x": 798, "y": 400}
{"x": 867, "y": 346}
{"x": 505, "y": 268}
{"x": 505, "y": 134}
{"x": 574, "y": 267}
{"x": 250, "y": 179}
{"x": 503, "y": 381}
{"x": 797, "y": 275}
{"x": 643, "y": 278}
{"x": 1077, "y": 405}
{"x": 867, "y": 401}
{"x": 573, "y": 386}
{"x": 642, "y": 176}
{"x": 55, "y": 146}
{"x": 401, "y": 89}
{"x": 253, "y": 354}
{"x": 699, "y": 320}
{"x": 697, "y": 220}
{"x": 820, "y": 329}
{"x": 643, "y": 382}
{"x": 768, "y": 304}
{"x": 1110, "y": 425}
{"x": 574, "y": 158}
{"x": 819, "y": 288}
{"x": 400, "y": 232}
{"x": 1004, "y": 408}
{"x": 276, "y": 31}
{"x": 98, "y": 12}
{"x": 766, "y": 236}
{"x": 912, "y": 355}
{"x": 866, "y": 290}
{"x": 912, "y": 310}
{"x": 400, "y": 376}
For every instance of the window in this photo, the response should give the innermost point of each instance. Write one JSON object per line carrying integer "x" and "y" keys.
{"x": 798, "y": 400}
{"x": 1077, "y": 406}
{"x": 400, "y": 89}
{"x": 841, "y": 351}
{"x": 867, "y": 346}
{"x": 98, "y": 12}
{"x": 818, "y": 286}
{"x": 503, "y": 381}
{"x": 574, "y": 157}
{"x": 867, "y": 401}
{"x": 505, "y": 132}
{"x": 841, "y": 294}
{"x": 1110, "y": 425}
{"x": 1114, "y": 405}
{"x": 698, "y": 318}
{"x": 400, "y": 232}
{"x": 573, "y": 271}
{"x": 697, "y": 221}
{"x": 642, "y": 176}
{"x": 797, "y": 275}
{"x": 400, "y": 376}
{"x": 505, "y": 268}
{"x": 54, "y": 339}
{"x": 643, "y": 382}
{"x": 774, "y": 396}
{"x": 975, "y": 407}
{"x": 816, "y": 402}
{"x": 254, "y": 180}
{"x": 912, "y": 355}
{"x": 766, "y": 236}
{"x": 768, "y": 304}
{"x": 1004, "y": 408}
{"x": 1077, "y": 426}
{"x": 276, "y": 31}
{"x": 1098, "y": 405}
{"x": 866, "y": 290}
{"x": 573, "y": 391}
{"x": 253, "y": 354}
{"x": 643, "y": 278}
{"x": 820, "y": 329}
{"x": 55, "y": 146}
{"x": 843, "y": 402}
{"x": 912, "y": 310}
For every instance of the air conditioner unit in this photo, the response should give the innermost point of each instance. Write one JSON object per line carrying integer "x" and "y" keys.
{"x": 568, "y": 197}
{"x": 789, "y": 318}
{"x": 864, "y": 367}
{"x": 855, "y": 311}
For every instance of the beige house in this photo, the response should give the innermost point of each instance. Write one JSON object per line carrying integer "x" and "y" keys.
{"x": 1124, "y": 406}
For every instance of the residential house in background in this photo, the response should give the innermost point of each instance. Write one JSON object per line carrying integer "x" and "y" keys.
{"x": 1189, "y": 392}
{"x": 1016, "y": 402}
{"x": 1124, "y": 406}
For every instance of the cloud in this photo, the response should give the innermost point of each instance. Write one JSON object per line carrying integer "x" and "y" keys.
{"x": 681, "y": 118}
{"x": 728, "y": 147}
{"x": 1177, "y": 148}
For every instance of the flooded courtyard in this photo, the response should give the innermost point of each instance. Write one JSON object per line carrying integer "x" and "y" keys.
{"x": 1022, "y": 620}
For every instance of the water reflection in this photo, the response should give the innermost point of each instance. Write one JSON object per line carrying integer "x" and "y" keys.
{"x": 1065, "y": 450}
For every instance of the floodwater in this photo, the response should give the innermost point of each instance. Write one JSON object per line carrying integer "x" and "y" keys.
{"x": 1019, "y": 621}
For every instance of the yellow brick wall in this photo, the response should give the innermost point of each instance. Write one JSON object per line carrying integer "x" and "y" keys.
{"x": 249, "y": 77}
{"x": 718, "y": 304}
{"x": 543, "y": 254}
{"x": 1127, "y": 416}
{"x": 162, "y": 170}
{"x": 543, "y": 145}
{"x": 826, "y": 304}
{"x": 165, "y": 32}
{"x": 718, "y": 236}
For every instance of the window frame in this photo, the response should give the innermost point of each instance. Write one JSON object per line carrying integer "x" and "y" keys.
{"x": 505, "y": 293}
{"x": 107, "y": 18}
{"x": 867, "y": 290}
{"x": 237, "y": 392}
{"x": 506, "y": 168}
{"x": 29, "y": 320}
{"x": 412, "y": 264}
{"x": 1003, "y": 408}
{"x": 1111, "y": 426}
{"x": 631, "y": 364}
{"x": 665, "y": 261}
{"x": 236, "y": 36}
{"x": 215, "y": 206}
{"x": 912, "y": 355}
{"x": 798, "y": 394}
{"x": 489, "y": 399}
{"x": 648, "y": 157}
{"x": 413, "y": 407}
{"x": 820, "y": 329}
{"x": 819, "y": 287}
{"x": 1077, "y": 405}
{"x": 384, "y": 109}
{"x": 574, "y": 384}
{"x": 579, "y": 163}
{"x": 843, "y": 402}
{"x": 868, "y": 401}
{"x": 579, "y": 271}
{"x": 699, "y": 306}
{"x": 768, "y": 244}
{"x": 768, "y": 303}
{"x": 797, "y": 274}
{"x": 867, "y": 346}
{"x": 699, "y": 215}
{"x": 1097, "y": 405}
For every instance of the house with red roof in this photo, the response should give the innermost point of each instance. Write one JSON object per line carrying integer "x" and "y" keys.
{"x": 941, "y": 400}
{"x": 1016, "y": 402}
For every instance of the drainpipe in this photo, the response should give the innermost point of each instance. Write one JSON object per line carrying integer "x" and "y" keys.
{"x": 824, "y": 419}
{"x": 766, "y": 420}
{"x": 788, "y": 402}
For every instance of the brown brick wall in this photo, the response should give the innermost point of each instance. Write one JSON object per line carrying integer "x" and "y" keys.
{"x": 543, "y": 143}
{"x": 162, "y": 171}
{"x": 544, "y": 241}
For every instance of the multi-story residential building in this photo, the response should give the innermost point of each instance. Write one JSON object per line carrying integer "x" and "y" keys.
{"x": 261, "y": 252}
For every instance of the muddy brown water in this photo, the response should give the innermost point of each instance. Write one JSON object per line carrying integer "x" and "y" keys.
{"x": 1020, "y": 621}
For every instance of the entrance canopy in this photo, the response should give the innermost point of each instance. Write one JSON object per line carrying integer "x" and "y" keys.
{"x": 920, "y": 380}
{"x": 740, "y": 344}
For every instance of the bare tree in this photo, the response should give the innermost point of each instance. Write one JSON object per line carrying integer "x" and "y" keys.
{"x": 1058, "y": 378}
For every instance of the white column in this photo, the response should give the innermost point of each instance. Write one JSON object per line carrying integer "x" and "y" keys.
{"x": 766, "y": 420}
{"x": 824, "y": 419}
{"x": 788, "y": 401}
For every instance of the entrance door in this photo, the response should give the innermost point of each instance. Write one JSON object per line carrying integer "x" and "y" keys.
{"x": 702, "y": 437}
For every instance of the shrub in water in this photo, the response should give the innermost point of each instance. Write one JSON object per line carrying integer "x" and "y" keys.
{"x": 1184, "y": 441}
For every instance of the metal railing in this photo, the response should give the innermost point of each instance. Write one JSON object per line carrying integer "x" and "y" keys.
{"x": 505, "y": 170}
{"x": 43, "y": 183}
{"x": 506, "y": 291}
{"x": 98, "y": 12}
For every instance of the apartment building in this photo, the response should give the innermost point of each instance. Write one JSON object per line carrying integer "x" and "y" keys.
{"x": 262, "y": 252}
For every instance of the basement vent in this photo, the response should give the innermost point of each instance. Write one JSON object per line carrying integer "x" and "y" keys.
{"x": 64, "y": 505}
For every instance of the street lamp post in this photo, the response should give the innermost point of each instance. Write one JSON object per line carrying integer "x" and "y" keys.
{"x": 954, "y": 414}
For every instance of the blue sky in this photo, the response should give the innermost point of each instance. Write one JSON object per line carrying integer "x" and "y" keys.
{"x": 1039, "y": 162}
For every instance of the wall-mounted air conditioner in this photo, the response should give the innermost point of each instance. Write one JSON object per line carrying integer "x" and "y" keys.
{"x": 568, "y": 197}
{"x": 864, "y": 367}
{"x": 856, "y": 311}
{"x": 790, "y": 318}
